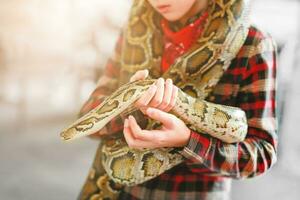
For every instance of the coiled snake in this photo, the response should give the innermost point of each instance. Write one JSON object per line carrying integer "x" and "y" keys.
{"x": 195, "y": 73}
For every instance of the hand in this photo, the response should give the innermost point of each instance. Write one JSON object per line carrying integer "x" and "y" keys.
{"x": 139, "y": 75}
{"x": 174, "y": 132}
{"x": 162, "y": 95}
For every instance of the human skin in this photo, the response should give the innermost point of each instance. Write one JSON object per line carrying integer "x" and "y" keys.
{"x": 160, "y": 98}
{"x": 156, "y": 103}
{"x": 178, "y": 10}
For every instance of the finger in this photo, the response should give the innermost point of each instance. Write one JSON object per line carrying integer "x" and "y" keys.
{"x": 139, "y": 75}
{"x": 164, "y": 117}
{"x": 145, "y": 73}
{"x": 167, "y": 94}
{"x": 137, "y": 132}
{"x": 136, "y": 76}
{"x": 127, "y": 134}
{"x": 134, "y": 127}
{"x": 157, "y": 99}
{"x": 131, "y": 141}
{"x": 146, "y": 98}
{"x": 173, "y": 99}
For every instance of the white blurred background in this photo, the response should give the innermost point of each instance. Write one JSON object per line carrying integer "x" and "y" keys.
{"x": 51, "y": 54}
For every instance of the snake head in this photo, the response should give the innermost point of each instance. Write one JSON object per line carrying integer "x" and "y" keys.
{"x": 68, "y": 134}
{"x": 112, "y": 106}
{"x": 82, "y": 127}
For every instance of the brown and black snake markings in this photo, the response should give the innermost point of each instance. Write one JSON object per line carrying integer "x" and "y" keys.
{"x": 108, "y": 106}
{"x": 151, "y": 164}
{"x": 118, "y": 166}
{"x": 195, "y": 73}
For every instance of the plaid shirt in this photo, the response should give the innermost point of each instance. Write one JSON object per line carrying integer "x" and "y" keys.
{"x": 249, "y": 83}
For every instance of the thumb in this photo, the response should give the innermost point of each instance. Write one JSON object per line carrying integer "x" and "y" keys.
{"x": 161, "y": 116}
{"x": 139, "y": 75}
{"x": 145, "y": 73}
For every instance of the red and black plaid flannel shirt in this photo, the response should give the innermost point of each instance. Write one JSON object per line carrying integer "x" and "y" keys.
{"x": 249, "y": 83}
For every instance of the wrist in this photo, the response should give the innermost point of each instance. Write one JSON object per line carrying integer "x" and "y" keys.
{"x": 186, "y": 138}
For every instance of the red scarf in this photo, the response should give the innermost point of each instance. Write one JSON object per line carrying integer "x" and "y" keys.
{"x": 177, "y": 43}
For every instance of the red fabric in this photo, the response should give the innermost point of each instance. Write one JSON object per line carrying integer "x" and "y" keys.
{"x": 177, "y": 43}
{"x": 209, "y": 161}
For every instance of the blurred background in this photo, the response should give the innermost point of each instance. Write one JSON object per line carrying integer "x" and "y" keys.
{"x": 51, "y": 54}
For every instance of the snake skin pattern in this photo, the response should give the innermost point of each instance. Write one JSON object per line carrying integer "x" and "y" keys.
{"x": 195, "y": 73}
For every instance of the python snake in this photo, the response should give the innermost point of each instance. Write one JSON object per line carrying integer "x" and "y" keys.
{"x": 195, "y": 73}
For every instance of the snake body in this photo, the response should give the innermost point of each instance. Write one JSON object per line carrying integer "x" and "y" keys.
{"x": 223, "y": 122}
{"x": 131, "y": 166}
{"x": 195, "y": 73}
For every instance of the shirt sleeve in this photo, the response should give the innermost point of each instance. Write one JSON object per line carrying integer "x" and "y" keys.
{"x": 256, "y": 96}
{"x": 107, "y": 84}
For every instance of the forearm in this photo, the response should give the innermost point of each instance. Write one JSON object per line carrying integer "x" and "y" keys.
{"x": 247, "y": 158}
{"x": 244, "y": 159}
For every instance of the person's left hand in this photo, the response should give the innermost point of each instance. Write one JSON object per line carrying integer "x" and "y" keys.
{"x": 174, "y": 132}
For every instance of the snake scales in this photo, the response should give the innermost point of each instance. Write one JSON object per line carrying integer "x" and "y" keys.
{"x": 195, "y": 73}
